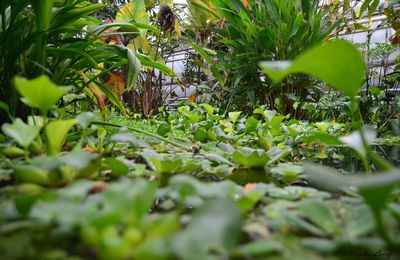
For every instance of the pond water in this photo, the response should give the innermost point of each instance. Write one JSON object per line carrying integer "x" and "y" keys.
{"x": 343, "y": 158}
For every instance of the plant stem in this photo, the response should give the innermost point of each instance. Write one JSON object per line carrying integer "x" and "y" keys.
{"x": 185, "y": 147}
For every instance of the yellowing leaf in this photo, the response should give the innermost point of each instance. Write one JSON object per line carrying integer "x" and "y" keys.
{"x": 135, "y": 11}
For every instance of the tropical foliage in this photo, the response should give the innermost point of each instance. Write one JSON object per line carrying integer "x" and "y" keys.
{"x": 311, "y": 178}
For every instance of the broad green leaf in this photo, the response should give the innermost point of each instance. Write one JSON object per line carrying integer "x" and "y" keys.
{"x": 298, "y": 222}
{"x": 355, "y": 141}
{"x": 251, "y": 124}
{"x": 251, "y": 158}
{"x": 188, "y": 187}
{"x": 292, "y": 193}
{"x": 234, "y": 116}
{"x": 162, "y": 163}
{"x": 267, "y": 114}
{"x": 31, "y": 174}
{"x": 323, "y": 138}
{"x": 288, "y": 171}
{"x": 4, "y": 107}
{"x": 337, "y": 63}
{"x": 320, "y": 214}
{"x": 325, "y": 178}
{"x": 22, "y": 133}
{"x": 201, "y": 134}
{"x": 118, "y": 168}
{"x": 275, "y": 121}
{"x": 40, "y": 93}
{"x": 157, "y": 249}
{"x": 163, "y": 129}
{"x": 214, "y": 227}
{"x": 359, "y": 221}
{"x": 208, "y": 108}
{"x": 86, "y": 118}
{"x": 249, "y": 199}
{"x": 56, "y": 132}
{"x": 13, "y": 152}
{"x": 193, "y": 118}
{"x": 79, "y": 161}
{"x": 130, "y": 200}
{"x": 374, "y": 189}
{"x": 168, "y": 166}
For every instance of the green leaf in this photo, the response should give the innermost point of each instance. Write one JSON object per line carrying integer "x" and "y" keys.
{"x": 204, "y": 7}
{"x": 208, "y": 108}
{"x": 157, "y": 249}
{"x": 320, "y": 214}
{"x": 293, "y": 193}
{"x": 31, "y": 174}
{"x": 22, "y": 133}
{"x": 4, "y": 107}
{"x": 359, "y": 221}
{"x": 215, "y": 227}
{"x": 259, "y": 248}
{"x": 360, "y": 27}
{"x": 188, "y": 186}
{"x": 193, "y": 118}
{"x": 355, "y": 141}
{"x": 40, "y": 93}
{"x": 364, "y": 6}
{"x": 234, "y": 116}
{"x": 375, "y": 189}
{"x": 202, "y": 53}
{"x": 323, "y": 138}
{"x": 86, "y": 118}
{"x": 56, "y": 133}
{"x": 251, "y": 124}
{"x": 135, "y": 11}
{"x": 163, "y": 129}
{"x": 201, "y": 134}
{"x": 69, "y": 15}
{"x": 372, "y": 8}
{"x": 162, "y": 163}
{"x": 338, "y": 63}
{"x": 147, "y": 61}
{"x": 288, "y": 171}
{"x": 134, "y": 66}
{"x": 251, "y": 158}
{"x": 130, "y": 200}
{"x": 276, "y": 121}
{"x": 118, "y": 168}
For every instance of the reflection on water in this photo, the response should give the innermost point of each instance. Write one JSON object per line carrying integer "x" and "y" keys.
{"x": 343, "y": 158}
